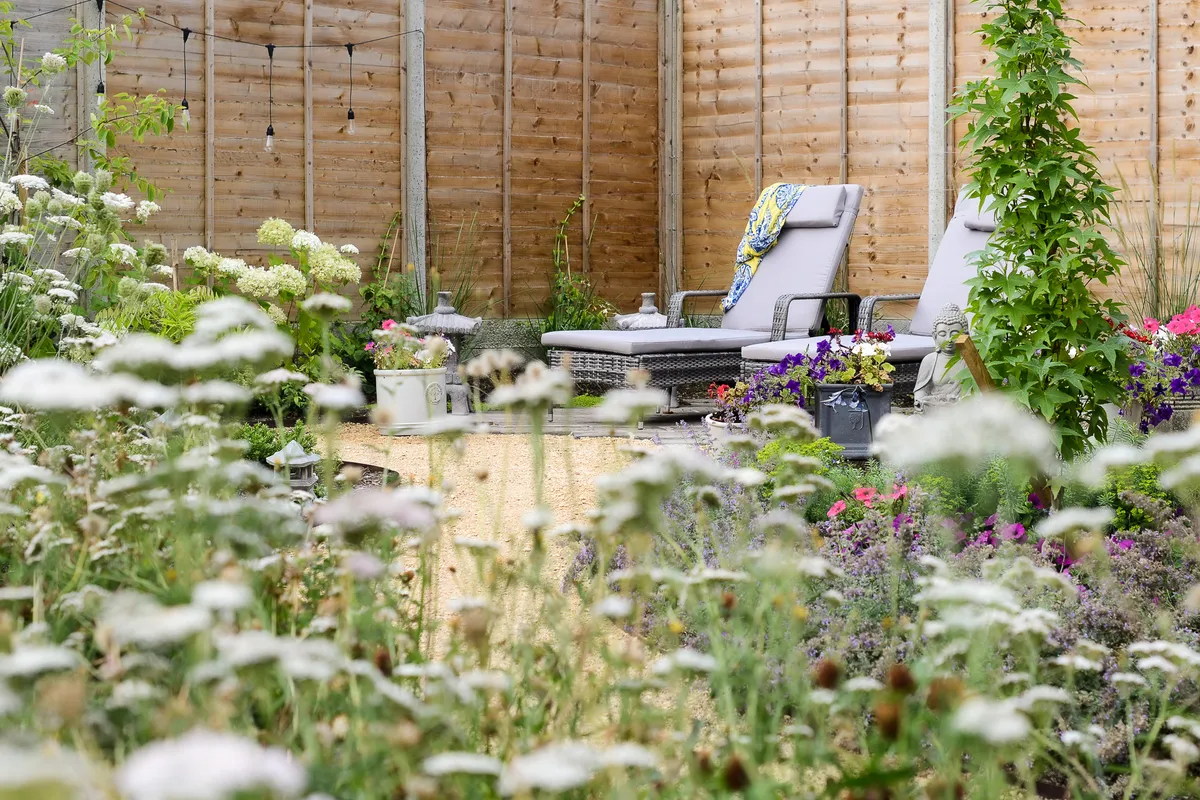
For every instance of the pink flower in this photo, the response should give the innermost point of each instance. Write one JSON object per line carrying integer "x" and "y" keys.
{"x": 369, "y": 347}
{"x": 1151, "y": 324}
{"x": 1182, "y": 325}
{"x": 898, "y": 491}
{"x": 1192, "y": 313}
{"x": 866, "y": 494}
{"x": 388, "y": 324}
{"x": 837, "y": 508}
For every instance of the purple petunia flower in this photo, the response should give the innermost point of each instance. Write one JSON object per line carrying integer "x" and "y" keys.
{"x": 1172, "y": 359}
{"x": 1137, "y": 370}
{"x": 1036, "y": 501}
{"x": 1178, "y": 386}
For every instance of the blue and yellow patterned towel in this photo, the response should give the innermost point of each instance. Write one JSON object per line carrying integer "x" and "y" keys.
{"x": 762, "y": 231}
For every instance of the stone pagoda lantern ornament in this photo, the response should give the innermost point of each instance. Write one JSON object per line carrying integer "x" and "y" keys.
{"x": 301, "y": 466}
{"x": 647, "y": 316}
{"x": 938, "y": 383}
{"x": 445, "y": 321}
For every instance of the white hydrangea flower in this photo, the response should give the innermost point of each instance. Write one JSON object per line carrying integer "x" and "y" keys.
{"x": 256, "y": 282}
{"x": 289, "y": 279}
{"x": 146, "y": 209}
{"x": 276, "y": 233}
{"x": 228, "y": 267}
{"x": 205, "y": 765}
{"x": 330, "y": 268}
{"x": 305, "y": 241}
{"x": 348, "y": 250}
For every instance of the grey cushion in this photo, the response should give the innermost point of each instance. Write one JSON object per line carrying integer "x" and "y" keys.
{"x": 954, "y": 265}
{"x": 976, "y": 216}
{"x": 905, "y": 347}
{"x": 818, "y": 207}
{"x": 803, "y": 261}
{"x": 655, "y": 340}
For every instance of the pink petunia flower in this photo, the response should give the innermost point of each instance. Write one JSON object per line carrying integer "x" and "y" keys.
{"x": 1151, "y": 324}
{"x": 866, "y": 495}
{"x": 1181, "y": 325}
{"x": 369, "y": 347}
{"x": 837, "y": 508}
{"x": 388, "y": 324}
{"x": 898, "y": 491}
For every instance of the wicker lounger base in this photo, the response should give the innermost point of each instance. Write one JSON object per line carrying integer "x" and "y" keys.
{"x": 667, "y": 370}
{"x": 904, "y": 379}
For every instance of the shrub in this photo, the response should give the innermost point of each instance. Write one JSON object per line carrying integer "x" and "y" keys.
{"x": 265, "y": 440}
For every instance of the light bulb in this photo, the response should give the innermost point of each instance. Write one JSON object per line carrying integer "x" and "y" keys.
{"x": 350, "y": 129}
{"x": 100, "y": 95}
{"x": 270, "y": 144}
{"x": 186, "y": 116}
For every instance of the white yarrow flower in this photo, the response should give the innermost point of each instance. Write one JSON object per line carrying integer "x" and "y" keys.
{"x": 222, "y": 595}
{"x": 684, "y": 659}
{"x": 117, "y": 202}
{"x": 614, "y": 606}
{"x": 995, "y": 721}
{"x": 461, "y": 764}
{"x": 1074, "y": 520}
{"x": 34, "y": 660}
{"x": 206, "y": 765}
{"x": 30, "y": 183}
{"x": 52, "y": 63}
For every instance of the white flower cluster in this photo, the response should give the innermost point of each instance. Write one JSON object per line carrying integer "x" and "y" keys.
{"x": 116, "y": 202}
{"x": 146, "y": 209}
{"x": 303, "y": 241}
{"x": 53, "y": 63}
{"x": 330, "y": 268}
{"x": 123, "y": 252}
{"x": 30, "y": 183}
{"x": 10, "y": 202}
{"x": 200, "y": 259}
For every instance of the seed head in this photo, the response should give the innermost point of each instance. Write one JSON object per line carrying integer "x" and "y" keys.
{"x": 828, "y": 674}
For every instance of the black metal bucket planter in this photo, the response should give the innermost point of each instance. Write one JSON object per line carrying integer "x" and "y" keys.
{"x": 848, "y": 413}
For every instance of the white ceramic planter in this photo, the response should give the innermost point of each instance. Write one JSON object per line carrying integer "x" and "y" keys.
{"x": 718, "y": 429}
{"x": 407, "y": 399}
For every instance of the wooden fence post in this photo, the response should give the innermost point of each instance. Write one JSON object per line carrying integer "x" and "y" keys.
{"x": 414, "y": 152}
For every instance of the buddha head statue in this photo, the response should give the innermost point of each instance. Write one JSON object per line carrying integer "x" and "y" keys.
{"x": 950, "y": 323}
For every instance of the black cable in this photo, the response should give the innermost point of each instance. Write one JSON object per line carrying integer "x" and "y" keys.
{"x": 186, "y": 33}
{"x": 270, "y": 92}
{"x": 89, "y": 129}
{"x": 55, "y": 10}
{"x": 350, "y": 113}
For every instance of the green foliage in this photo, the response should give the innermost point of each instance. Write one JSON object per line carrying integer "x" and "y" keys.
{"x": 978, "y": 495}
{"x": 1118, "y": 494}
{"x": 1162, "y": 243}
{"x": 170, "y": 314}
{"x": 265, "y": 440}
{"x": 1042, "y": 333}
{"x": 573, "y": 304}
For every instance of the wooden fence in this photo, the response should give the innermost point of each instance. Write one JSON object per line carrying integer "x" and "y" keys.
{"x": 668, "y": 116}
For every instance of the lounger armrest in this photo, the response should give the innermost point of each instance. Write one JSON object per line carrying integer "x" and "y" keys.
{"x": 866, "y": 316}
{"x": 784, "y": 304}
{"x": 675, "y": 306}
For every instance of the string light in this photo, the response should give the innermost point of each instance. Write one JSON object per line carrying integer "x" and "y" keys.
{"x": 350, "y": 113}
{"x": 187, "y": 115}
{"x": 270, "y": 143}
{"x": 100, "y": 94}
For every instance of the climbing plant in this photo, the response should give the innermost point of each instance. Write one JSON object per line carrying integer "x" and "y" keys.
{"x": 1045, "y": 336}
